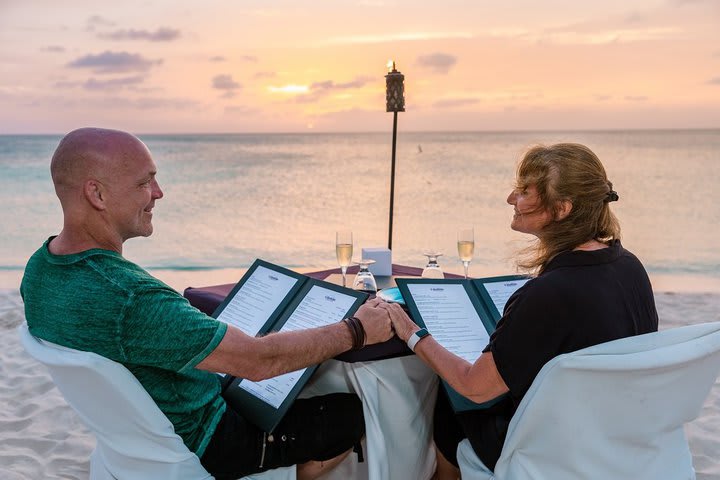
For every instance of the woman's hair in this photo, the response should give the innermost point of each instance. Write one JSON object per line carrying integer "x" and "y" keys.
{"x": 567, "y": 172}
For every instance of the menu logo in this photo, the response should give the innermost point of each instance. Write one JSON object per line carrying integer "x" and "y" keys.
{"x": 329, "y": 298}
{"x": 272, "y": 277}
{"x": 437, "y": 289}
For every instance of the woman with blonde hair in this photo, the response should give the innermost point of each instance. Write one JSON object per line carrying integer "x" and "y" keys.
{"x": 587, "y": 289}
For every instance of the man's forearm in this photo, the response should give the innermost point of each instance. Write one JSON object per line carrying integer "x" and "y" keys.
{"x": 259, "y": 358}
{"x": 284, "y": 352}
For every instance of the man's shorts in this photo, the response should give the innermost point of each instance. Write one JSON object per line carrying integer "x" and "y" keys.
{"x": 317, "y": 428}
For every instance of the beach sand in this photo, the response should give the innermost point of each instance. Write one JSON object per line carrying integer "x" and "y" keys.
{"x": 41, "y": 437}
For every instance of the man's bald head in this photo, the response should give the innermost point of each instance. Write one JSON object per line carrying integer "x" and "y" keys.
{"x": 105, "y": 180}
{"x": 92, "y": 153}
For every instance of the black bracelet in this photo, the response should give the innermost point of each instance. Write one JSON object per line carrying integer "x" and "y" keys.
{"x": 357, "y": 331}
{"x": 363, "y": 336}
{"x": 353, "y": 333}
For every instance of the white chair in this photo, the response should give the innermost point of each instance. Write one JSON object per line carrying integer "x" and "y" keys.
{"x": 135, "y": 440}
{"x": 614, "y": 410}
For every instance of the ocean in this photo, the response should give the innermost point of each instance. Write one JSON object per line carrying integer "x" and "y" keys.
{"x": 230, "y": 199}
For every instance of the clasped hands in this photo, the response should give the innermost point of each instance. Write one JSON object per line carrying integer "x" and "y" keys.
{"x": 381, "y": 320}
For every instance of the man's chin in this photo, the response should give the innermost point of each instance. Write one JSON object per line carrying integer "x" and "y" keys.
{"x": 139, "y": 232}
{"x": 147, "y": 231}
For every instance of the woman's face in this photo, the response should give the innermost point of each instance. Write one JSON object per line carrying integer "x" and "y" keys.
{"x": 529, "y": 216}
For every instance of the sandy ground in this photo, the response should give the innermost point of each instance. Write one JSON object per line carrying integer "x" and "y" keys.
{"x": 41, "y": 437}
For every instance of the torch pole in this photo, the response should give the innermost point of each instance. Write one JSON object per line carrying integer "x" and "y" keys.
{"x": 392, "y": 182}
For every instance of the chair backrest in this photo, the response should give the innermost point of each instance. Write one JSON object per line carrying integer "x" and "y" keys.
{"x": 134, "y": 438}
{"x": 614, "y": 410}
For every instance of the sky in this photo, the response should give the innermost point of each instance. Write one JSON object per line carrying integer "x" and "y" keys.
{"x": 212, "y": 66}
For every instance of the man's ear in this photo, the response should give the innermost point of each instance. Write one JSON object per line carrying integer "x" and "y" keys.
{"x": 95, "y": 194}
{"x": 564, "y": 207}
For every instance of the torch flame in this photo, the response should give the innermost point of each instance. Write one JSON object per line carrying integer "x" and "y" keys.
{"x": 391, "y": 65}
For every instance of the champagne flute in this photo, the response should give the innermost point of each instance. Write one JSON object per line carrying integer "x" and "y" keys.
{"x": 344, "y": 251}
{"x": 466, "y": 246}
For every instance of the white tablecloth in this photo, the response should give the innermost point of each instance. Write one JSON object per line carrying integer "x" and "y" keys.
{"x": 398, "y": 398}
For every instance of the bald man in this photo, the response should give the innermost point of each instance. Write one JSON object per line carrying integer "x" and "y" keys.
{"x": 80, "y": 292}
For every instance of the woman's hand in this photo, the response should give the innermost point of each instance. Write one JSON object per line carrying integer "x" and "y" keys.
{"x": 404, "y": 327}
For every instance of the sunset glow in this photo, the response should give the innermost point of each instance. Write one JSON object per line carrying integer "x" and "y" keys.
{"x": 289, "y": 89}
{"x": 252, "y": 66}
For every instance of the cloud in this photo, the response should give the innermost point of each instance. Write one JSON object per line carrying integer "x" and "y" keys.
{"x": 53, "y": 49}
{"x": 589, "y": 34}
{"x": 113, "y": 83}
{"x": 634, "y": 17}
{"x": 249, "y": 58}
{"x": 225, "y": 82}
{"x": 460, "y": 99}
{"x": 331, "y": 85}
{"x": 98, "y": 21}
{"x": 114, "y": 102}
{"x": 66, "y": 84}
{"x": 630, "y": 28}
{"x": 636, "y": 98}
{"x": 265, "y": 75}
{"x": 161, "y": 103}
{"x": 437, "y": 62}
{"x": 218, "y": 58}
{"x": 455, "y": 102}
{"x": 399, "y": 37}
{"x": 162, "y": 34}
{"x": 602, "y": 98}
{"x": 122, "y": 103}
{"x": 134, "y": 88}
{"x": 714, "y": 81}
{"x": 318, "y": 90}
{"x": 114, "y": 62}
{"x": 681, "y": 3}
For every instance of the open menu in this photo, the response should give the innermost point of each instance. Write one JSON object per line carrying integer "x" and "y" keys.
{"x": 271, "y": 298}
{"x": 460, "y": 314}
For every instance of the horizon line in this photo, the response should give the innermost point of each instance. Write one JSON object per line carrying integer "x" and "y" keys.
{"x": 344, "y": 132}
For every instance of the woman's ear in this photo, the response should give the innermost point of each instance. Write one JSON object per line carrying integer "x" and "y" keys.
{"x": 94, "y": 194}
{"x": 564, "y": 207}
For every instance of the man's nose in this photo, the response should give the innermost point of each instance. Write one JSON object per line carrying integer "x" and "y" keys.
{"x": 157, "y": 191}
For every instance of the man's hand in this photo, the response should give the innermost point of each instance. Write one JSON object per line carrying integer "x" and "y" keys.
{"x": 403, "y": 326}
{"x": 375, "y": 321}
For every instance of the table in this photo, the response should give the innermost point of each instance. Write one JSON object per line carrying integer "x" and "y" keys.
{"x": 397, "y": 389}
{"x": 207, "y": 299}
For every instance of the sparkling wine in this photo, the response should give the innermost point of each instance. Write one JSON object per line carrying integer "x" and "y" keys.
{"x": 344, "y": 253}
{"x": 466, "y": 250}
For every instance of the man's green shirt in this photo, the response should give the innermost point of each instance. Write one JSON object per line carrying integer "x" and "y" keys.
{"x": 97, "y": 301}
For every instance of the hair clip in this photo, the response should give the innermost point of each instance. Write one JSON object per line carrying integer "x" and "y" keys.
{"x": 612, "y": 196}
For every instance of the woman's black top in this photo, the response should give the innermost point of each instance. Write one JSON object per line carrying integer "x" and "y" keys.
{"x": 582, "y": 298}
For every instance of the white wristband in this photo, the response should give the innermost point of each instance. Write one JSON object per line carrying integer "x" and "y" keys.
{"x": 416, "y": 337}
